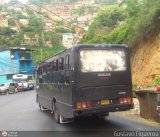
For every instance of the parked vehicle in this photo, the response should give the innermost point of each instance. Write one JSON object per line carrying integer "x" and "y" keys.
{"x": 4, "y": 88}
{"x": 31, "y": 84}
{"x": 25, "y": 79}
{"x": 20, "y": 87}
{"x": 12, "y": 88}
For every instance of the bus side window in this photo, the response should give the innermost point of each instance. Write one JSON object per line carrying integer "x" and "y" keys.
{"x": 67, "y": 62}
{"x": 44, "y": 73}
{"x": 40, "y": 75}
{"x": 57, "y": 65}
{"x": 67, "y": 67}
{"x": 61, "y": 63}
{"x": 49, "y": 70}
{"x": 61, "y": 72}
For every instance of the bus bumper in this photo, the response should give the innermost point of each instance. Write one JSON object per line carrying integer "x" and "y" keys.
{"x": 103, "y": 109}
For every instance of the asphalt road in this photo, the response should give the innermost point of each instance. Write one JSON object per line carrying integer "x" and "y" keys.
{"x": 20, "y": 112}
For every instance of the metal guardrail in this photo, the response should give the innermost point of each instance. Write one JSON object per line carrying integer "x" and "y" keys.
{"x": 149, "y": 100}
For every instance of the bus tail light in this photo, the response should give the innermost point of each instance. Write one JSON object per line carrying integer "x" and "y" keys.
{"x": 78, "y": 105}
{"x": 81, "y": 105}
{"x": 89, "y": 104}
{"x": 125, "y": 100}
{"x": 84, "y": 105}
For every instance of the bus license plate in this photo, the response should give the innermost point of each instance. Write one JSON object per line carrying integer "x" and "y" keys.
{"x": 104, "y": 102}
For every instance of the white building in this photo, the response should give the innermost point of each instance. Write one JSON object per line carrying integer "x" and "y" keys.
{"x": 67, "y": 40}
{"x": 24, "y": 21}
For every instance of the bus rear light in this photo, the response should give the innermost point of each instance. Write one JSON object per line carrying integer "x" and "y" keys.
{"x": 78, "y": 105}
{"x": 81, "y": 105}
{"x": 125, "y": 100}
{"x": 89, "y": 104}
{"x": 84, "y": 105}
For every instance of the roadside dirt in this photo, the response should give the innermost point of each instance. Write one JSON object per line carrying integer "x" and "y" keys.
{"x": 145, "y": 63}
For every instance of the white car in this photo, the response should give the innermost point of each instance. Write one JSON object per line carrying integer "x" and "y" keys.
{"x": 31, "y": 84}
{"x": 4, "y": 88}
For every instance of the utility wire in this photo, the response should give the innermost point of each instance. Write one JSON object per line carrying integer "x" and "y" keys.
{"x": 53, "y": 13}
{"x": 40, "y": 13}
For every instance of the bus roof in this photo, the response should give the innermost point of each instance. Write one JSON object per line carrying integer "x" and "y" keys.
{"x": 83, "y": 45}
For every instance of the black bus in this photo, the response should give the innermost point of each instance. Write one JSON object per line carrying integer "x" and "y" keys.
{"x": 85, "y": 80}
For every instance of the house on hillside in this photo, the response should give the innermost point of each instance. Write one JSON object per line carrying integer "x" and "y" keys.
{"x": 3, "y": 22}
{"x": 48, "y": 43}
{"x": 49, "y": 26}
{"x": 30, "y": 40}
{"x": 67, "y": 40}
{"x": 24, "y": 22}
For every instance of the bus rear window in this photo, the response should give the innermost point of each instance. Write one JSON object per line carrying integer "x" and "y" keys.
{"x": 102, "y": 60}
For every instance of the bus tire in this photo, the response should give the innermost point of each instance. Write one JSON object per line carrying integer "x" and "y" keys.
{"x": 56, "y": 115}
{"x": 41, "y": 107}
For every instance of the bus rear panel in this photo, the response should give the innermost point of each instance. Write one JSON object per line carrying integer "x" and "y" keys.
{"x": 85, "y": 80}
{"x": 102, "y": 80}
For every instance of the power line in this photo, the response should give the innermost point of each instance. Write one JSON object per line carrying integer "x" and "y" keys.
{"x": 40, "y": 13}
{"x": 53, "y": 13}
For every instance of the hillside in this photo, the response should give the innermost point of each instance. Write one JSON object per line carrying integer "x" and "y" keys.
{"x": 146, "y": 63}
{"x": 42, "y": 24}
{"x": 135, "y": 23}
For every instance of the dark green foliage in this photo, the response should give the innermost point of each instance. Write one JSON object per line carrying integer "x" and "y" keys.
{"x": 106, "y": 20}
{"x": 35, "y": 24}
{"x": 157, "y": 82}
{"x": 20, "y": 16}
{"x": 29, "y": 11}
{"x": 45, "y": 52}
{"x": 11, "y": 22}
{"x": 7, "y": 32}
{"x": 54, "y": 37}
{"x": 84, "y": 10}
{"x": 62, "y": 30}
{"x": 133, "y": 7}
{"x": 143, "y": 19}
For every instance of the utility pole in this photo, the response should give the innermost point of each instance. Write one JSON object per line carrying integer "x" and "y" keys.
{"x": 41, "y": 54}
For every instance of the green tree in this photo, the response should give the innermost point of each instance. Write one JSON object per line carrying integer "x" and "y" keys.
{"x": 36, "y": 24}
{"x": 7, "y": 32}
{"x": 133, "y": 7}
{"x": 29, "y": 12}
{"x": 63, "y": 30}
{"x": 106, "y": 20}
{"x": 11, "y": 22}
{"x": 54, "y": 37}
{"x": 141, "y": 21}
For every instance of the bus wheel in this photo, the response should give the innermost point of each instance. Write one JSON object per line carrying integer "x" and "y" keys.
{"x": 42, "y": 108}
{"x": 56, "y": 116}
{"x": 65, "y": 120}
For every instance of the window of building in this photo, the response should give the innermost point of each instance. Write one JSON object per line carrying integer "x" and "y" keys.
{"x": 9, "y": 76}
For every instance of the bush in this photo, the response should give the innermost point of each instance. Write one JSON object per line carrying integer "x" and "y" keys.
{"x": 157, "y": 82}
{"x": 142, "y": 22}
